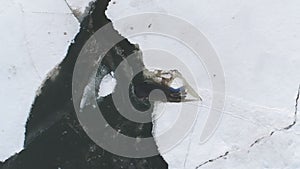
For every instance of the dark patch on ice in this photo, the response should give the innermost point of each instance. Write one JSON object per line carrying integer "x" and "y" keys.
{"x": 55, "y": 139}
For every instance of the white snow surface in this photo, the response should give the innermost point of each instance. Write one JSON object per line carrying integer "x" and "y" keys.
{"x": 257, "y": 43}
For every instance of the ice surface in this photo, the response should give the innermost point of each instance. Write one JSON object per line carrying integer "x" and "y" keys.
{"x": 257, "y": 45}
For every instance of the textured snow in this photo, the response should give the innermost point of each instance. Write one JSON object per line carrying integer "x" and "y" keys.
{"x": 257, "y": 43}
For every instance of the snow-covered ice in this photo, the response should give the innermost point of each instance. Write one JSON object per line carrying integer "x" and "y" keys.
{"x": 257, "y": 43}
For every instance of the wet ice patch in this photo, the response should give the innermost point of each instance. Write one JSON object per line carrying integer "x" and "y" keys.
{"x": 107, "y": 85}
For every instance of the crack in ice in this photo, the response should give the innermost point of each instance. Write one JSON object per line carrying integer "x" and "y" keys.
{"x": 285, "y": 128}
{"x": 262, "y": 138}
{"x": 213, "y": 160}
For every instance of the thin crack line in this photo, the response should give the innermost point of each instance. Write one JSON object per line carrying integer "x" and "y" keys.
{"x": 72, "y": 11}
{"x": 296, "y": 111}
{"x": 212, "y": 160}
{"x": 285, "y": 128}
{"x": 262, "y": 138}
{"x": 236, "y": 116}
{"x": 190, "y": 142}
{"x": 54, "y": 13}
